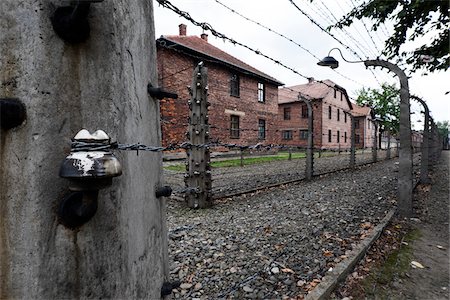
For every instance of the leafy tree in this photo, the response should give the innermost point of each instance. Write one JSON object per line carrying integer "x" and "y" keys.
{"x": 443, "y": 128}
{"x": 385, "y": 103}
{"x": 413, "y": 19}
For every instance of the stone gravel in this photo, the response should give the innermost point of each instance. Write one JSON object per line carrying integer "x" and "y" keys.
{"x": 228, "y": 181}
{"x": 279, "y": 242}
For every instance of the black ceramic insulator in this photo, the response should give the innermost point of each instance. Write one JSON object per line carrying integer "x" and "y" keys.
{"x": 77, "y": 208}
{"x": 12, "y": 112}
{"x": 159, "y": 93}
{"x": 164, "y": 191}
{"x": 71, "y": 22}
{"x": 167, "y": 287}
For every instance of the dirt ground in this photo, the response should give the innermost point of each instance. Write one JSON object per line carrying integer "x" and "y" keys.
{"x": 390, "y": 269}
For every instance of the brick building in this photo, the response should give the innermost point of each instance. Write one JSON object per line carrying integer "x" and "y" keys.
{"x": 364, "y": 127}
{"x": 244, "y": 100}
{"x": 331, "y": 124}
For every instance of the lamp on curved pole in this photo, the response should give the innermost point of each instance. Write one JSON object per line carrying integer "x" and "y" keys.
{"x": 405, "y": 179}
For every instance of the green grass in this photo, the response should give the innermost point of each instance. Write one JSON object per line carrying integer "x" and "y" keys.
{"x": 251, "y": 160}
{"x": 236, "y": 162}
{"x": 395, "y": 266}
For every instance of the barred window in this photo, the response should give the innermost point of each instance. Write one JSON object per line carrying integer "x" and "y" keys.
{"x": 261, "y": 92}
{"x": 304, "y": 111}
{"x": 234, "y": 85}
{"x": 287, "y": 113}
{"x": 303, "y": 134}
{"x": 234, "y": 127}
{"x": 261, "y": 129}
{"x": 287, "y": 134}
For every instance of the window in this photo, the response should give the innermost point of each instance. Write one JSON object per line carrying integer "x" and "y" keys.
{"x": 335, "y": 93}
{"x": 356, "y": 124}
{"x": 329, "y": 112}
{"x": 357, "y": 138}
{"x": 303, "y": 134}
{"x": 341, "y": 96}
{"x": 345, "y": 117}
{"x": 338, "y": 137}
{"x": 329, "y": 135}
{"x": 234, "y": 85}
{"x": 345, "y": 137}
{"x": 287, "y": 113}
{"x": 261, "y": 129}
{"x": 261, "y": 92}
{"x": 287, "y": 134}
{"x": 304, "y": 111}
{"x": 338, "y": 114}
{"x": 234, "y": 127}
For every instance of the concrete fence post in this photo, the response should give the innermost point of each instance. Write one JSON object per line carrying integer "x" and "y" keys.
{"x": 424, "y": 164}
{"x": 352, "y": 140}
{"x": 198, "y": 177}
{"x": 388, "y": 150}
{"x": 310, "y": 147}
{"x": 405, "y": 174}
{"x": 375, "y": 143}
{"x": 95, "y": 80}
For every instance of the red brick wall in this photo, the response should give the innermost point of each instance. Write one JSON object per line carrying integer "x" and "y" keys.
{"x": 334, "y": 124}
{"x": 297, "y": 123}
{"x": 174, "y": 113}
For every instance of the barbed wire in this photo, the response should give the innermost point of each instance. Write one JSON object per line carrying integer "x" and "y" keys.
{"x": 331, "y": 35}
{"x": 283, "y": 36}
{"x": 207, "y": 27}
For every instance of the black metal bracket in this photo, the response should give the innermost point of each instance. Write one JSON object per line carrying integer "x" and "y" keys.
{"x": 164, "y": 191}
{"x": 71, "y": 22}
{"x": 159, "y": 93}
{"x": 77, "y": 208}
{"x": 12, "y": 112}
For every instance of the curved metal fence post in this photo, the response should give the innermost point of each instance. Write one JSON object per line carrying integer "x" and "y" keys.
{"x": 405, "y": 178}
{"x": 424, "y": 164}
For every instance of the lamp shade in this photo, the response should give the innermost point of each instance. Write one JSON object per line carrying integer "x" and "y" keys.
{"x": 329, "y": 61}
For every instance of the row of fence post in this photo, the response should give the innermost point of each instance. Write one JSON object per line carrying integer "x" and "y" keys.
{"x": 198, "y": 176}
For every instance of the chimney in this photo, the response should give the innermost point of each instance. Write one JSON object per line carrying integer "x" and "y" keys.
{"x": 310, "y": 79}
{"x": 204, "y": 37}
{"x": 182, "y": 28}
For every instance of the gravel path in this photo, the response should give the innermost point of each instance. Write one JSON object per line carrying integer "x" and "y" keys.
{"x": 278, "y": 242}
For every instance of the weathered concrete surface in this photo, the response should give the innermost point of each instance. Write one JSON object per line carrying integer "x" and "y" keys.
{"x": 99, "y": 84}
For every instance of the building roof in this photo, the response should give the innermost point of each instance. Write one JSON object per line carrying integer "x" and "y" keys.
{"x": 197, "y": 46}
{"x": 361, "y": 111}
{"x": 313, "y": 90}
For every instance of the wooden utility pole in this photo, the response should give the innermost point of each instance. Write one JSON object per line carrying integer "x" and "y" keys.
{"x": 198, "y": 177}
{"x": 70, "y": 77}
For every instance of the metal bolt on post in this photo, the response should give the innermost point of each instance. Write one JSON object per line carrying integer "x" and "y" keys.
{"x": 198, "y": 177}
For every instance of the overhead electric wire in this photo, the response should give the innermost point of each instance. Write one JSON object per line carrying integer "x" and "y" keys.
{"x": 208, "y": 27}
{"x": 332, "y": 35}
{"x": 375, "y": 51}
{"x": 283, "y": 36}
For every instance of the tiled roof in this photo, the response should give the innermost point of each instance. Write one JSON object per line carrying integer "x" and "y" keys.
{"x": 203, "y": 48}
{"x": 312, "y": 90}
{"x": 360, "y": 111}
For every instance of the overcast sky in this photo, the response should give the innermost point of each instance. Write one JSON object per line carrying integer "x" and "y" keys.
{"x": 284, "y": 18}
